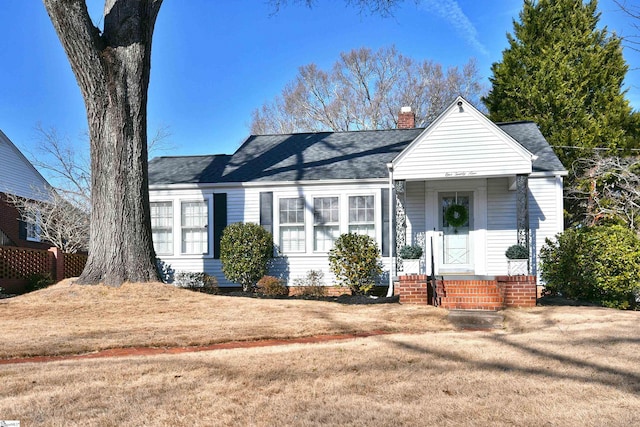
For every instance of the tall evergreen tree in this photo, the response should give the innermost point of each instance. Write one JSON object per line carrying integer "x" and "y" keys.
{"x": 563, "y": 72}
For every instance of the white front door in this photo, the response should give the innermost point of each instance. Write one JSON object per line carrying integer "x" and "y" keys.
{"x": 456, "y": 223}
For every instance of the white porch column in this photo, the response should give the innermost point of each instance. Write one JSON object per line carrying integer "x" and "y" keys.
{"x": 391, "y": 230}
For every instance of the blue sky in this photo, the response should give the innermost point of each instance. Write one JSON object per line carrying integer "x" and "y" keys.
{"x": 215, "y": 61}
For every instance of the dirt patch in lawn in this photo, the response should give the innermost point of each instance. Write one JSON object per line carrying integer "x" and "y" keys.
{"x": 546, "y": 376}
{"x": 69, "y": 319}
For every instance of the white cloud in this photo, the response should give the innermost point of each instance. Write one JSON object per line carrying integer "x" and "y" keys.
{"x": 450, "y": 11}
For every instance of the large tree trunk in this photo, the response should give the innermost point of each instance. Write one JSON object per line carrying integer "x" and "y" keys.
{"x": 112, "y": 70}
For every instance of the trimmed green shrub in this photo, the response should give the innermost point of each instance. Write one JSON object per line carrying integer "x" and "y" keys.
{"x": 245, "y": 250}
{"x": 355, "y": 262}
{"x": 272, "y": 286}
{"x": 312, "y": 284}
{"x": 517, "y": 252}
{"x": 410, "y": 252}
{"x": 599, "y": 264}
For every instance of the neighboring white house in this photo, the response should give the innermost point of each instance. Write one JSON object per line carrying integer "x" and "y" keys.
{"x": 18, "y": 177}
{"x": 394, "y": 185}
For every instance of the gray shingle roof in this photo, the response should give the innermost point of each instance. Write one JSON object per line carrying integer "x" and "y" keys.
{"x": 320, "y": 156}
{"x": 530, "y": 137}
{"x": 187, "y": 169}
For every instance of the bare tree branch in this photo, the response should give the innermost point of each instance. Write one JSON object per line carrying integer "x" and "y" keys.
{"x": 609, "y": 190}
{"x": 376, "y": 7}
{"x": 67, "y": 166}
{"x": 58, "y": 222}
{"x": 365, "y": 90}
{"x": 633, "y": 11}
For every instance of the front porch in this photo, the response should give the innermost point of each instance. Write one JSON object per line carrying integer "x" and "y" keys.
{"x": 486, "y": 293}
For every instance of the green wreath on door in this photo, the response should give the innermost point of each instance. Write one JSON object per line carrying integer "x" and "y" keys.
{"x": 456, "y": 215}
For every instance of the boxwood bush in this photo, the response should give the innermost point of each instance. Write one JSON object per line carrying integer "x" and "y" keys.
{"x": 245, "y": 250}
{"x": 517, "y": 252}
{"x": 410, "y": 252}
{"x": 599, "y": 264}
{"x": 355, "y": 262}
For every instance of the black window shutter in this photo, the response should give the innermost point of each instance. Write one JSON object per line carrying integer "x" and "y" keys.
{"x": 266, "y": 211}
{"x": 219, "y": 221}
{"x": 22, "y": 230}
{"x": 386, "y": 222}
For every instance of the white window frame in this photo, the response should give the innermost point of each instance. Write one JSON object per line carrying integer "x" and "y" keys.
{"x": 372, "y": 222}
{"x": 298, "y": 226}
{"x": 202, "y": 228}
{"x": 168, "y": 228}
{"x": 333, "y": 224}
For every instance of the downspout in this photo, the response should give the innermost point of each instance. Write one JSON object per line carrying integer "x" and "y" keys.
{"x": 391, "y": 229}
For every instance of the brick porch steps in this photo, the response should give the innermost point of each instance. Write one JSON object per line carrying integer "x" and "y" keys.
{"x": 473, "y": 294}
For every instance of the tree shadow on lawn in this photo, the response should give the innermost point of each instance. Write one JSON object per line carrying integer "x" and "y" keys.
{"x": 624, "y": 380}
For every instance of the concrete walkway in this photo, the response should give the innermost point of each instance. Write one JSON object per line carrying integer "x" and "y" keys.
{"x": 476, "y": 320}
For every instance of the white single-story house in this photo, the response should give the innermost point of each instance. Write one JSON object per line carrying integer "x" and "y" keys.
{"x": 398, "y": 186}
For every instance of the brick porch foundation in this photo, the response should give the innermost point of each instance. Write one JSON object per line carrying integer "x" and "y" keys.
{"x": 496, "y": 294}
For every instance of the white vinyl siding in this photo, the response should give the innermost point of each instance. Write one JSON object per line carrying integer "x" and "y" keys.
{"x": 17, "y": 175}
{"x": 326, "y": 223}
{"x": 291, "y": 215}
{"x": 501, "y": 224}
{"x": 362, "y": 215}
{"x": 545, "y": 213}
{"x": 462, "y": 144}
{"x": 162, "y": 227}
{"x": 194, "y": 219}
{"x": 545, "y": 219}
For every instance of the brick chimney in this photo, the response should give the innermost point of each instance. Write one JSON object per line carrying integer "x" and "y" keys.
{"x": 406, "y": 118}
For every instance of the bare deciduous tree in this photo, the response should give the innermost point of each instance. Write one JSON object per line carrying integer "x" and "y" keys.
{"x": 632, "y": 10}
{"x": 66, "y": 165}
{"x": 58, "y": 221}
{"x": 365, "y": 90}
{"x": 609, "y": 190}
{"x": 378, "y": 7}
{"x": 63, "y": 220}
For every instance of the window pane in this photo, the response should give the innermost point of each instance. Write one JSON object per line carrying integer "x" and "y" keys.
{"x": 32, "y": 223}
{"x": 325, "y": 210}
{"x": 292, "y": 238}
{"x": 292, "y": 225}
{"x": 292, "y": 211}
{"x": 194, "y": 241}
{"x": 162, "y": 227}
{"x": 361, "y": 209}
{"x": 194, "y": 219}
{"x": 362, "y": 215}
{"x": 367, "y": 230}
{"x": 163, "y": 241}
{"x": 194, "y": 214}
{"x": 324, "y": 237}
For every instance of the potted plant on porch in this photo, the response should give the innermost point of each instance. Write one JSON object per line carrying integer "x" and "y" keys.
{"x": 410, "y": 255}
{"x": 517, "y": 260}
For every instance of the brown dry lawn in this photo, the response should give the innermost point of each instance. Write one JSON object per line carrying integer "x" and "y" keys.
{"x": 558, "y": 366}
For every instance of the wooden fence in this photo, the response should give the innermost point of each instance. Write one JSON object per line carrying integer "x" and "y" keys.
{"x": 18, "y": 265}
